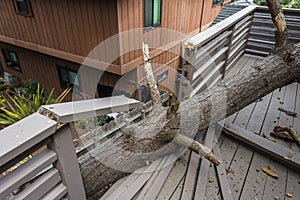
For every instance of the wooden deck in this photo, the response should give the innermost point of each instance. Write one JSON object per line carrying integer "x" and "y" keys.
{"x": 240, "y": 176}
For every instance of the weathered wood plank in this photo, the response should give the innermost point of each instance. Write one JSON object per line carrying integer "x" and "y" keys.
{"x": 293, "y": 178}
{"x": 67, "y": 163}
{"x": 175, "y": 177}
{"x": 204, "y": 166}
{"x": 191, "y": 175}
{"x": 279, "y": 185}
{"x": 153, "y": 186}
{"x": 41, "y": 186}
{"x": 70, "y": 111}
{"x": 142, "y": 179}
{"x": 25, "y": 172}
{"x": 24, "y": 135}
{"x": 222, "y": 177}
{"x": 56, "y": 193}
{"x": 253, "y": 187}
{"x": 177, "y": 194}
{"x": 139, "y": 175}
{"x": 274, "y": 150}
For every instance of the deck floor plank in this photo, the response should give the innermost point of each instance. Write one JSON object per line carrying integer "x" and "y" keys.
{"x": 244, "y": 154}
{"x": 154, "y": 185}
{"x": 253, "y": 185}
{"x": 293, "y": 177}
{"x": 175, "y": 177}
{"x": 277, "y": 187}
{"x": 204, "y": 166}
{"x": 177, "y": 194}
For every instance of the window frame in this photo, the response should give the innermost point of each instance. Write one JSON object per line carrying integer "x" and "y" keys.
{"x": 16, "y": 65}
{"x": 64, "y": 84}
{"x": 152, "y": 20}
{"x": 162, "y": 76}
{"x": 28, "y": 7}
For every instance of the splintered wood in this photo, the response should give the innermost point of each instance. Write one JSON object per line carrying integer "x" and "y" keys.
{"x": 286, "y": 133}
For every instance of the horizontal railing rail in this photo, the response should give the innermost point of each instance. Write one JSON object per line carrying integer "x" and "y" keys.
{"x": 38, "y": 161}
{"x": 261, "y": 40}
{"x": 210, "y": 54}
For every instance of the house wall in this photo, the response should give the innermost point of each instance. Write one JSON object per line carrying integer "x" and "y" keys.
{"x": 64, "y": 32}
{"x": 210, "y": 12}
{"x": 72, "y": 26}
{"x": 181, "y": 17}
{"x": 43, "y": 68}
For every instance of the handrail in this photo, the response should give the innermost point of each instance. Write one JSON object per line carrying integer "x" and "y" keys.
{"x": 210, "y": 54}
{"x": 211, "y": 32}
{"x": 23, "y": 135}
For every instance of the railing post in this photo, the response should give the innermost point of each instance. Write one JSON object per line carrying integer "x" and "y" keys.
{"x": 189, "y": 53}
{"x": 67, "y": 163}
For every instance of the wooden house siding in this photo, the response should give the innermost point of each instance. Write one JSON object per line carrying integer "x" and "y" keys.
{"x": 64, "y": 32}
{"x": 73, "y": 26}
{"x": 181, "y": 17}
{"x": 43, "y": 68}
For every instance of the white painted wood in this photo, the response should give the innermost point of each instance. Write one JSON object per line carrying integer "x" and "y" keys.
{"x": 74, "y": 111}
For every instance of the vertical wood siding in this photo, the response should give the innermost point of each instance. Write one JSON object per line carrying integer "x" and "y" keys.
{"x": 182, "y": 16}
{"x": 74, "y": 26}
{"x": 43, "y": 68}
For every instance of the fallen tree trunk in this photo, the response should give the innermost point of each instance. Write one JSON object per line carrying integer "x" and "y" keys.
{"x": 139, "y": 144}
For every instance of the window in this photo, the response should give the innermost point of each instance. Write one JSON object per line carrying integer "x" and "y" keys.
{"x": 11, "y": 60}
{"x": 215, "y": 2}
{"x": 152, "y": 13}
{"x": 67, "y": 78}
{"x": 23, "y": 7}
{"x": 162, "y": 76}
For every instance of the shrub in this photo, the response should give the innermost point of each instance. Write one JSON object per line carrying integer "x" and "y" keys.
{"x": 16, "y": 106}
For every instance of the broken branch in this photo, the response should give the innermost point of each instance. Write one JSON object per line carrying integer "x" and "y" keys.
{"x": 290, "y": 131}
{"x": 196, "y": 147}
{"x": 282, "y": 135}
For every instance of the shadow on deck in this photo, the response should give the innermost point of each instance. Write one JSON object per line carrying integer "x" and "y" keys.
{"x": 240, "y": 176}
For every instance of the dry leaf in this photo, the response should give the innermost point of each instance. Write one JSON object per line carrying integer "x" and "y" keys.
{"x": 272, "y": 139}
{"x": 276, "y": 198}
{"x": 269, "y": 172}
{"x": 229, "y": 170}
{"x": 288, "y": 194}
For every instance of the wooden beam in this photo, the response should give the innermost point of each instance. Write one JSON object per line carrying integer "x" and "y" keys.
{"x": 275, "y": 151}
{"x": 98, "y": 64}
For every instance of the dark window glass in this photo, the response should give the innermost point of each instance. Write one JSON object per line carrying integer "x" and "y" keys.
{"x": 152, "y": 13}
{"x": 162, "y": 76}
{"x": 217, "y": 2}
{"x": 11, "y": 60}
{"x": 67, "y": 78}
{"x": 22, "y": 6}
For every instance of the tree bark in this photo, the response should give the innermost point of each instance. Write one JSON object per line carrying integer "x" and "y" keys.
{"x": 281, "y": 33}
{"x": 149, "y": 76}
{"x": 149, "y": 139}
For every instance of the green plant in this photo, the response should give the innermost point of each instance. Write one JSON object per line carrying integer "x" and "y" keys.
{"x": 16, "y": 106}
{"x": 31, "y": 86}
{"x": 295, "y": 4}
{"x": 82, "y": 123}
{"x": 3, "y": 86}
{"x": 103, "y": 119}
